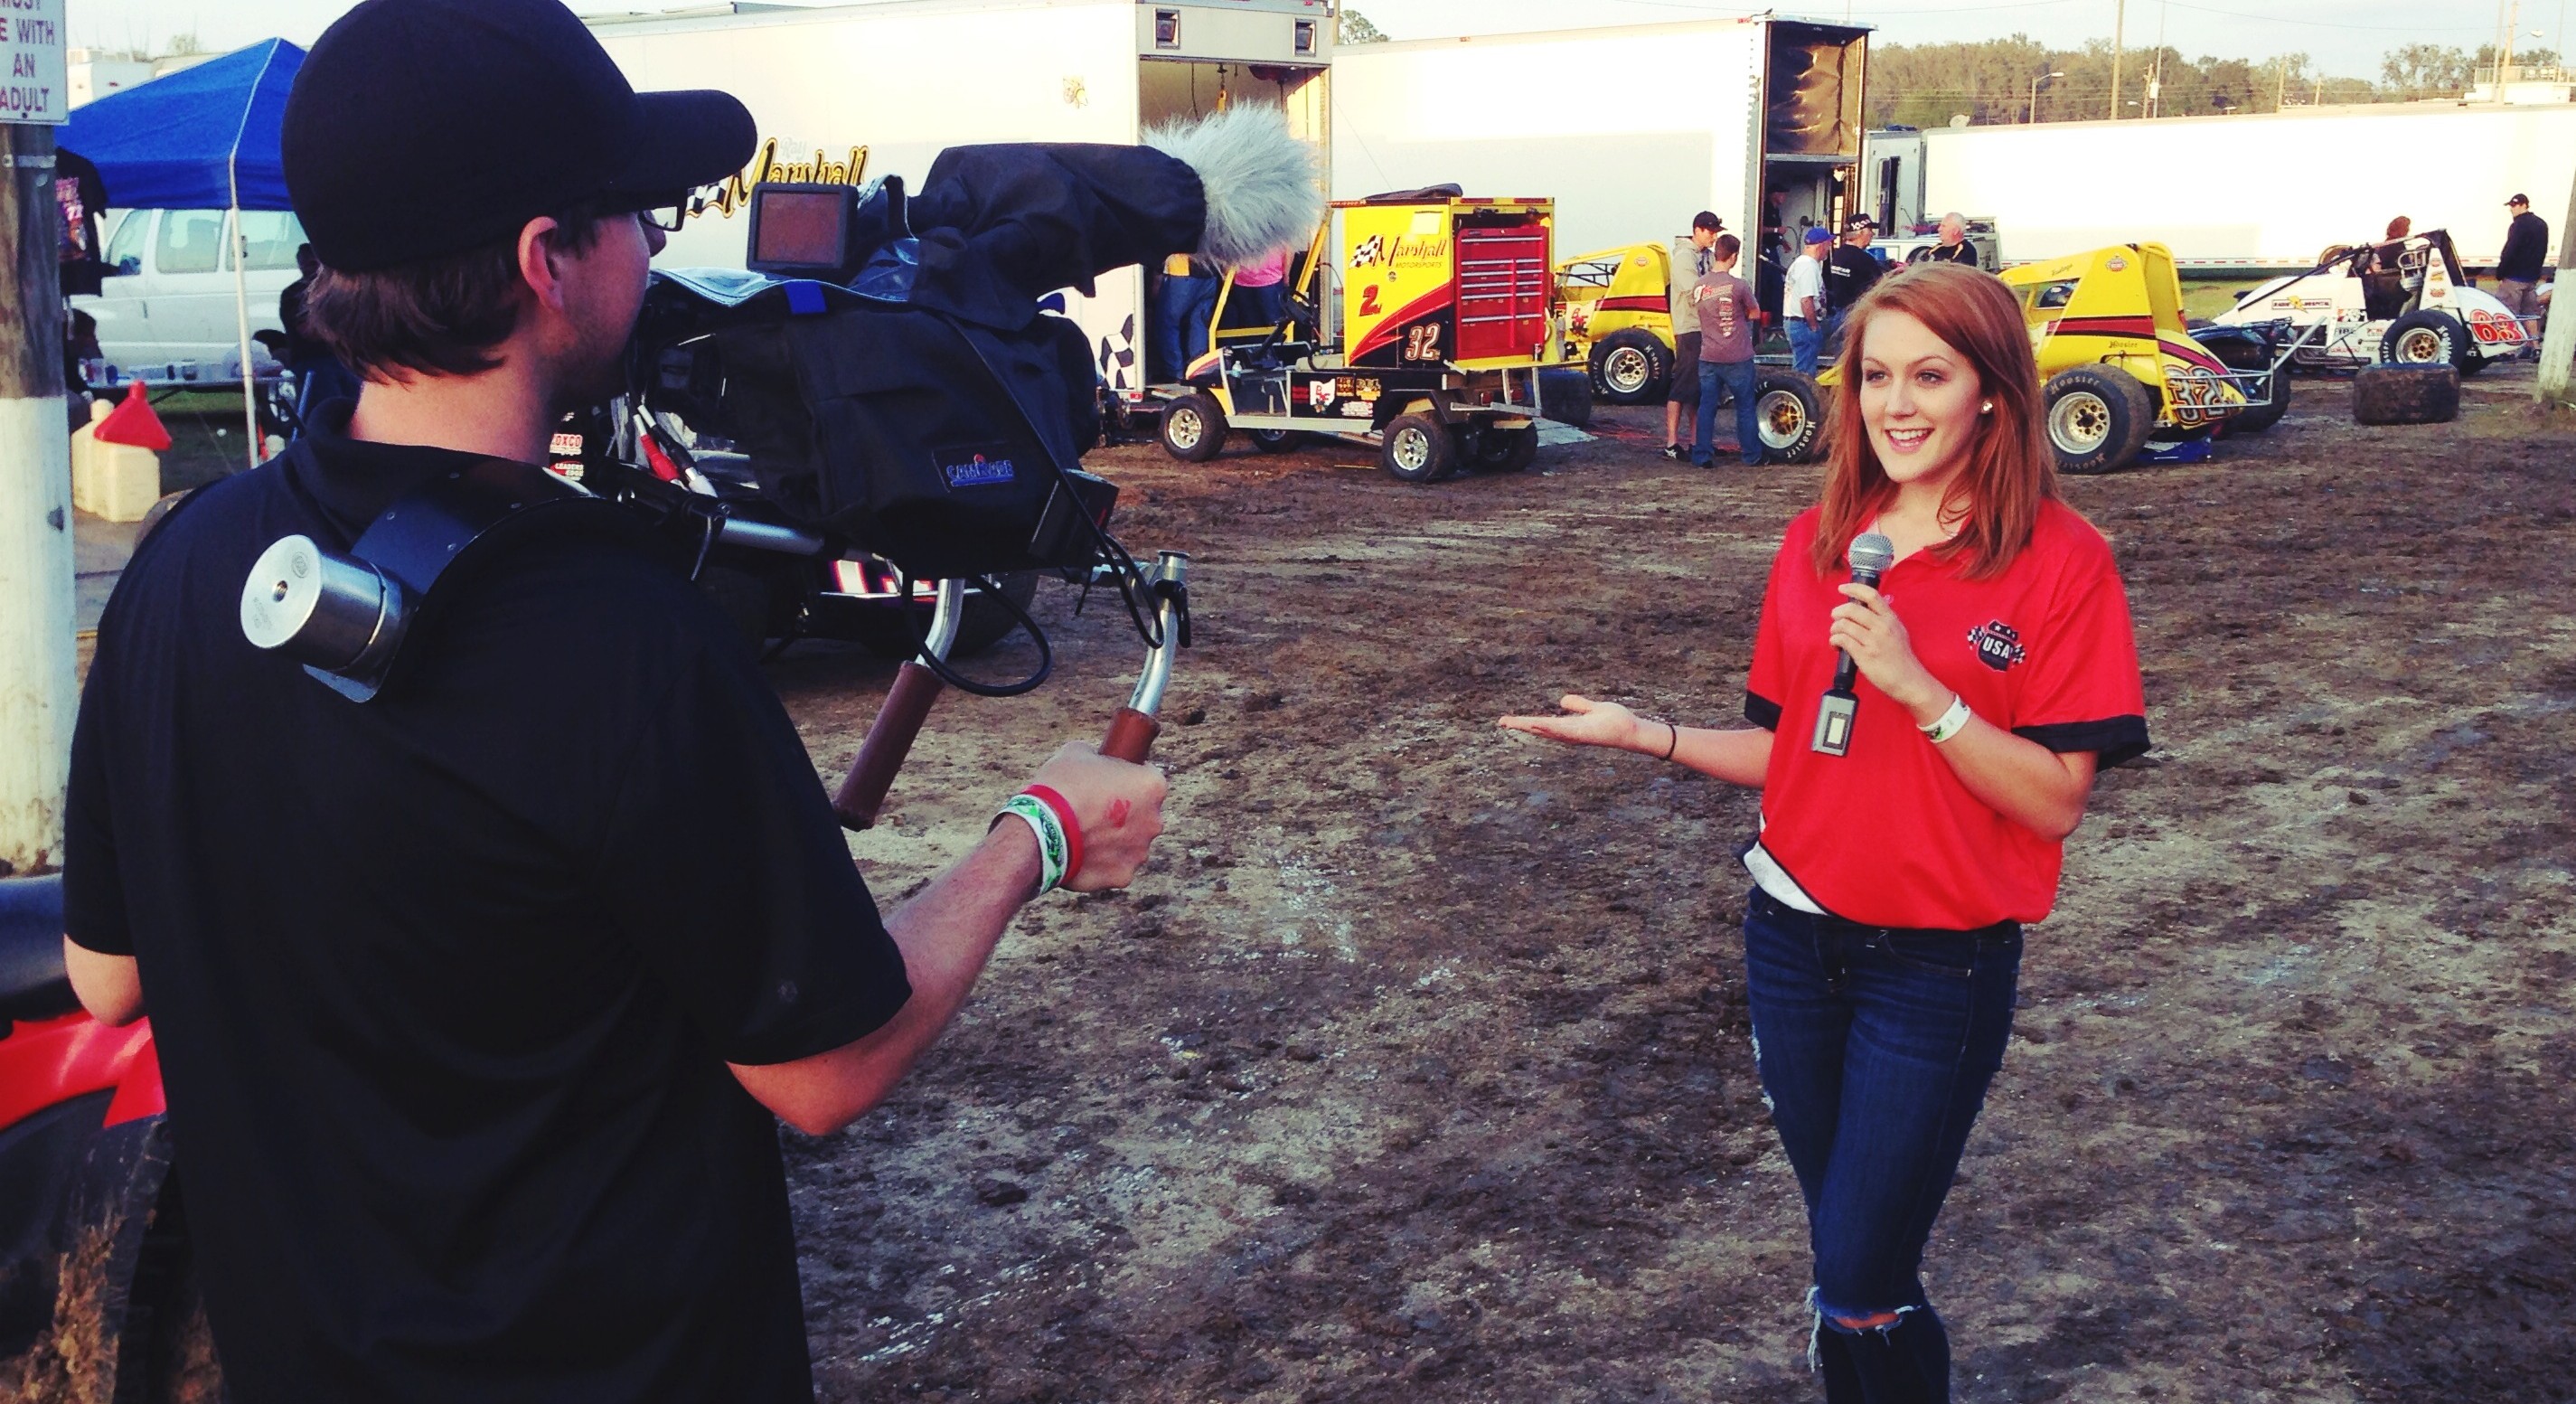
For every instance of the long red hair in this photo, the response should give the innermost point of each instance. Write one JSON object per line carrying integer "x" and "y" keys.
{"x": 2010, "y": 470}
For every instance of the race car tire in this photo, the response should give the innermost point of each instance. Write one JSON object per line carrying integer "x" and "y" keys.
{"x": 743, "y": 599}
{"x": 1500, "y": 450}
{"x": 1790, "y": 416}
{"x": 1632, "y": 368}
{"x": 2267, "y": 398}
{"x": 2098, "y": 418}
{"x": 2406, "y": 395}
{"x": 1193, "y": 428}
{"x": 1417, "y": 449}
{"x": 1921, "y": 255}
{"x": 1565, "y": 395}
{"x": 1278, "y": 440}
{"x": 2426, "y": 338}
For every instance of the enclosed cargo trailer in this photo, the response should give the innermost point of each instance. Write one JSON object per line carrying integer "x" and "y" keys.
{"x": 1758, "y": 120}
{"x": 855, "y": 92}
{"x": 2266, "y": 192}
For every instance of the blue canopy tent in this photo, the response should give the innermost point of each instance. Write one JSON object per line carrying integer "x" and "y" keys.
{"x": 199, "y": 139}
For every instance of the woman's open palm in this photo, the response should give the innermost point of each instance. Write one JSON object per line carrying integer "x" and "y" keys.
{"x": 1583, "y": 723}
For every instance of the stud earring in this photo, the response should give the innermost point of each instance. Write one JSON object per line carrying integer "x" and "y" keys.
{"x": 1987, "y": 408}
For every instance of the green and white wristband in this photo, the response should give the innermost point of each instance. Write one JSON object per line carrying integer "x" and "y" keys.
{"x": 1951, "y": 722}
{"x": 1054, "y": 849}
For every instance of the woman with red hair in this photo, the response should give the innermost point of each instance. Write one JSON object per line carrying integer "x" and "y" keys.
{"x": 1904, "y": 846}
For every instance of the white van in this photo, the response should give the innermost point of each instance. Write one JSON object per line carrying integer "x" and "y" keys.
{"x": 165, "y": 312}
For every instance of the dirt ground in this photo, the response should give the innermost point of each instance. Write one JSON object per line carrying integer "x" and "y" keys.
{"x": 1416, "y": 1066}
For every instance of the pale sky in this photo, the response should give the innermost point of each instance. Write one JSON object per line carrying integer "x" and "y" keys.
{"x": 2346, "y": 37}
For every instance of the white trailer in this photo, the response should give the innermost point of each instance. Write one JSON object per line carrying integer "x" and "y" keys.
{"x": 2265, "y": 192}
{"x": 854, "y": 92}
{"x": 1630, "y": 130}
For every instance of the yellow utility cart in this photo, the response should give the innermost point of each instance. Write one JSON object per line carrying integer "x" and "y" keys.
{"x": 1425, "y": 324}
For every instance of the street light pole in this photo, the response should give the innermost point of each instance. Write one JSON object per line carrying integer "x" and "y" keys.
{"x": 2033, "y": 115}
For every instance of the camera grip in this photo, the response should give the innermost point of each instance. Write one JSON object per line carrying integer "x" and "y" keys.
{"x": 889, "y": 740}
{"x": 1131, "y": 736}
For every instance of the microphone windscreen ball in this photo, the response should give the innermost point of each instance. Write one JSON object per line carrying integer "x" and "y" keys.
{"x": 1872, "y": 552}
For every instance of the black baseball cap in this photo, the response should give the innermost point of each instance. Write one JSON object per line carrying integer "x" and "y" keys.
{"x": 419, "y": 128}
{"x": 1859, "y": 222}
{"x": 2519, "y": 199}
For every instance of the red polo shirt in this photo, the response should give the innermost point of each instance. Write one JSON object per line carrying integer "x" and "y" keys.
{"x": 1887, "y": 835}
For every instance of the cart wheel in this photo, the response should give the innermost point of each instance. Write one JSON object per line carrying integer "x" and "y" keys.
{"x": 1278, "y": 440}
{"x": 2098, "y": 418}
{"x": 1505, "y": 450}
{"x": 1193, "y": 427}
{"x": 1417, "y": 449}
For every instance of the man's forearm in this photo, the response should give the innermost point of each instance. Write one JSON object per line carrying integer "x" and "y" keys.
{"x": 946, "y": 932}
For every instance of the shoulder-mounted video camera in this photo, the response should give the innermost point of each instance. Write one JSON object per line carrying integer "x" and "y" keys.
{"x": 884, "y": 371}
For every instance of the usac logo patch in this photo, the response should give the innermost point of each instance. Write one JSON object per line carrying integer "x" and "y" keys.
{"x": 1997, "y": 644}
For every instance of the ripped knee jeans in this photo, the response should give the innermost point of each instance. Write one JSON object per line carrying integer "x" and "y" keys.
{"x": 1875, "y": 1046}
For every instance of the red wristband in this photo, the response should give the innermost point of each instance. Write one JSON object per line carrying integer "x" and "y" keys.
{"x": 1072, "y": 828}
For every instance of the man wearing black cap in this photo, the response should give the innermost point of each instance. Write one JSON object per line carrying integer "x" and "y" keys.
{"x": 1849, "y": 273}
{"x": 475, "y": 1003}
{"x": 2525, "y": 258}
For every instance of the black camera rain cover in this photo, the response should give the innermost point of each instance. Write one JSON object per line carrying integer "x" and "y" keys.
{"x": 926, "y": 415}
{"x": 929, "y": 441}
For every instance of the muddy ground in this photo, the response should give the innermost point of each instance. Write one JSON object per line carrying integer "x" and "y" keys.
{"x": 1416, "y": 1067}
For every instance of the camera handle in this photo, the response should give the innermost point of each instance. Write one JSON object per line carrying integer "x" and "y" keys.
{"x": 1132, "y": 731}
{"x": 916, "y": 689}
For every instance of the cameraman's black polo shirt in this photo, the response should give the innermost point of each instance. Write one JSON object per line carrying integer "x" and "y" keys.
{"x": 444, "y": 985}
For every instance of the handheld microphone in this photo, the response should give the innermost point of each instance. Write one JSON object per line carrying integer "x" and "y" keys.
{"x": 1871, "y": 555}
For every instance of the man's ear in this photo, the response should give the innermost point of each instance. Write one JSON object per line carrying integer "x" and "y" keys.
{"x": 541, "y": 260}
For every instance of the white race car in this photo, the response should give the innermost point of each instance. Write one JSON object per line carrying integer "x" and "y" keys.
{"x": 2403, "y": 301}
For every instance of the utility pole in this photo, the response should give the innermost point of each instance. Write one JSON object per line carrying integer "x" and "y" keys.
{"x": 37, "y": 695}
{"x": 2558, "y": 330}
{"x": 2119, "y": 28}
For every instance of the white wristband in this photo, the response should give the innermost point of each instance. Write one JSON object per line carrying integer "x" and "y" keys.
{"x": 1052, "y": 848}
{"x": 1951, "y": 722}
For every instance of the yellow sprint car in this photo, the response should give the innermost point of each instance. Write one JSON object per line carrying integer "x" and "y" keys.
{"x": 2119, "y": 367}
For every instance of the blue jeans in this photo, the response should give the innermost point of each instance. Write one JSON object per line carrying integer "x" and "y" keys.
{"x": 1737, "y": 377}
{"x": 1875, "y": 1047}
{"x": 1805, "y": 343}
{"x": 1179, "y": 334}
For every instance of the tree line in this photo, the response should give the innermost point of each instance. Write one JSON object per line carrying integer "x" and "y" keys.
{"x": 2020, "y": 79}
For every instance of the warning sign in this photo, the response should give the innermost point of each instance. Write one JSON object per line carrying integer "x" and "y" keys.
{"x": 34, "y": 85}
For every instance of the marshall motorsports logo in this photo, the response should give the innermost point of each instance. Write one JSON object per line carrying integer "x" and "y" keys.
{"x": 1998, "y": 646}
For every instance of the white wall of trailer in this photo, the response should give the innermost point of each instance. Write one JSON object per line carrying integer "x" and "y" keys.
{"x": 1630, "y": 130}
{"x": 906, "y": 79}
{"x": 2268, "y": 190}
